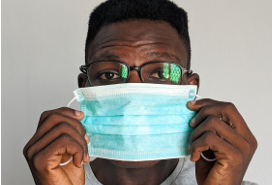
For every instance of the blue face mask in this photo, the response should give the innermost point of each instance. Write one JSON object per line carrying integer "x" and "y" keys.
{"x": 137, "y": 122}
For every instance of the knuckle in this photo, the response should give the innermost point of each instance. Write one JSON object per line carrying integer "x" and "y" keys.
{"x": 64, "y": 139}
{"x": 208, "y": 99}
{"x": 29, "y": 154}
{"x": 63, "y": 127}
{"x": 25, "y": 151}
{"x": 37, "y": 162}
{"x": 44, "y": 114}
{"x": 247, "y": 148}
{"x": 43, "y": 117}
{"x": 54, "y": 116}
{"x": 63, "y": 109}
{"x": 211, "y": 121}
{"x": 229, "y": 106}
{"x": 67, "y": 111}
{"x": 254, "y": 144}
{"x": 208, "y": 137}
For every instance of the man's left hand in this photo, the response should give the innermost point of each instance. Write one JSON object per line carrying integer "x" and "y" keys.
{"x": 220, "y": 132}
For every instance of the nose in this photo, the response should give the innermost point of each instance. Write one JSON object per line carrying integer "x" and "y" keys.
{"x": 134, "y": 77}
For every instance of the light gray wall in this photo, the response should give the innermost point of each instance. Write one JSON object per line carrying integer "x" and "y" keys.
{"x": 43, "y": 45}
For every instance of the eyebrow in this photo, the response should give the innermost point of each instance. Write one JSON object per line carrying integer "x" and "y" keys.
{"x": 152, "y": 56}
{"x": 109, "y": 56}
{"x": 166, "y": 55}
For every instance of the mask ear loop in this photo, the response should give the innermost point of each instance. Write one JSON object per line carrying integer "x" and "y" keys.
{"x": 71, "y": 101}
{"x": 201, "y": 154}
{"x": 207, "y": 159}
{"x": 197, "y": 97}
{"x": 65, "y": 163}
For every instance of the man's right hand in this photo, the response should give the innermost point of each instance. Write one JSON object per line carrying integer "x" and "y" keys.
{"x": 59, "y": 136}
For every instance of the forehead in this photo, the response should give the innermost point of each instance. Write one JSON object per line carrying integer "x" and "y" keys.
{"x": 142, "y": 40}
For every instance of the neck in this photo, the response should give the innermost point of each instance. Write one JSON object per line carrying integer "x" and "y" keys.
{"x": 108, "y": 172}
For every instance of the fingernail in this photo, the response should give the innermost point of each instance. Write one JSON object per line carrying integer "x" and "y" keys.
{"x": 193, "y": 102}
{"x": 87, "y": 138}
{"x": 192, "y": 122}
{"x": 81, "y": 163}
{"x": 78, "y": 113}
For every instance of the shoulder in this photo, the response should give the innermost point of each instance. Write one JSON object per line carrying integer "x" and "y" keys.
{"x": 248, "y": 183}
{"x": 186, "y": 174}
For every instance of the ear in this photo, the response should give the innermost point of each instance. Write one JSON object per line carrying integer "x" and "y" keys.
{"x": 82, "y": 80}
{"x": 193, "y": 79}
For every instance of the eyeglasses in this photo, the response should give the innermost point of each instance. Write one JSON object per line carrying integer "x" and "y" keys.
{"x": 115, "y": 72}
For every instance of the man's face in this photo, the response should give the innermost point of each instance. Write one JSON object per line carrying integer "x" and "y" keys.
{"x": 136, "y": 43}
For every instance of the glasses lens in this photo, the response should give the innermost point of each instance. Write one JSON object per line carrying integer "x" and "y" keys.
{"x": 161, "y": 73}
{"x": 106, "y": 73}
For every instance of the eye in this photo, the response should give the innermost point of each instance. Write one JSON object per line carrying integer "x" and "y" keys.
{"x": 160, "y": 75}
{"x": 108, "y": 75}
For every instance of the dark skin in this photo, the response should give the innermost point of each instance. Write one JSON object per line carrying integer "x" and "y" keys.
{"x": 60, "y": 134}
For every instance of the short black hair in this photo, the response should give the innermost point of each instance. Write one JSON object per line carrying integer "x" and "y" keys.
{"x": 112, "y": 11}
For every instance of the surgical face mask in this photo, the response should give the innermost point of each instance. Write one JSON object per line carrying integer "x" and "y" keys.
{"x": 137, "y": 122}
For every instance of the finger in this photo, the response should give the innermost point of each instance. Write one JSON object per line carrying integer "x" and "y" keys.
{"x": 221, "y": 129}
{"x": 66, "y": 111}
{"x": 227, "y": 112}
{"x": 50, "y": 157}
{"x": 224, "y": 110}
{"x": 50, "y": 122}
{"x": 230, "y": 161}
{"x": 223, "y": 151}
{"x": 196, "y": 105}
{"x": 49, "y": 137}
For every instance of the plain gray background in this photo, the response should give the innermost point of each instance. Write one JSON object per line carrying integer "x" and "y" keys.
{"x": 43, "y": 46}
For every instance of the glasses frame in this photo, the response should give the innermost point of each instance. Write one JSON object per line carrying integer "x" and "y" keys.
{"x": 84, "y": 68}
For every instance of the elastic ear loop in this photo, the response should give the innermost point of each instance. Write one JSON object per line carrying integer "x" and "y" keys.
{"x": 65, "y": 163}
{"x": 201, "y": 154}
{"x": 197, "y": 97}
{"x": 207, "y": 159}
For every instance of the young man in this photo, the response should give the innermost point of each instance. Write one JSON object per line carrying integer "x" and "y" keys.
{"x": 137, "y": 33}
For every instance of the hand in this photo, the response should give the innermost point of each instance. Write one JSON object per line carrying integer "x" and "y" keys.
{"x": 59, "y": 136}
{"x": 221, "y": 129}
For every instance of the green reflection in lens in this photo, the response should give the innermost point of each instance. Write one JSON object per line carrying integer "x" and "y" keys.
{"x": 166, "y": 71}
{"x": 175, "y": 73}
{"x": 124, "y": 71}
